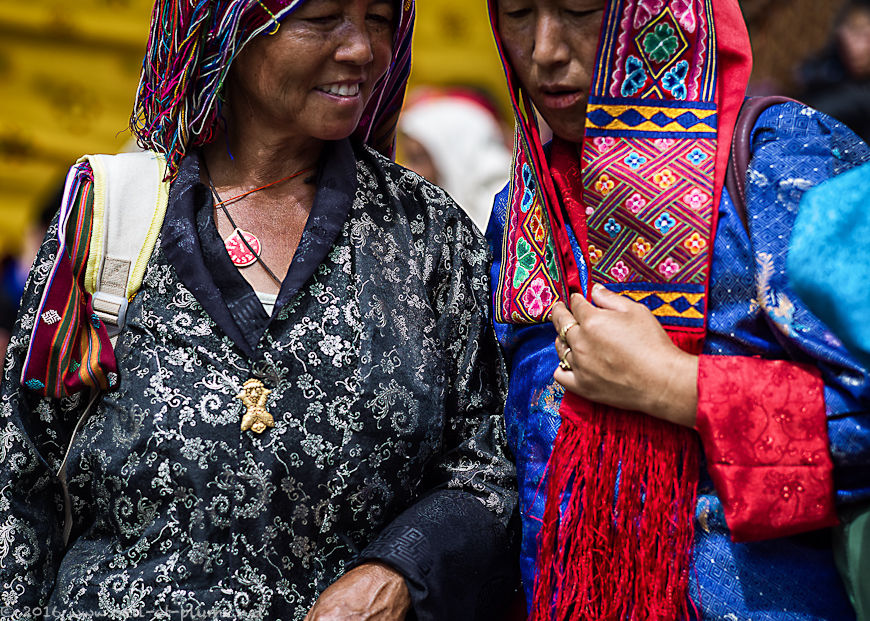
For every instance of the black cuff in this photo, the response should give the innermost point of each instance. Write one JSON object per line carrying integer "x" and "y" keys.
{"x": 459, "y": 561}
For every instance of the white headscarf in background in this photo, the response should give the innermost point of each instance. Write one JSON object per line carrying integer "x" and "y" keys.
{"x": 466, "y": 145}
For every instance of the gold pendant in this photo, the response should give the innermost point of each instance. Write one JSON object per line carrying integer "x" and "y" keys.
{"x": 254, "y": 396}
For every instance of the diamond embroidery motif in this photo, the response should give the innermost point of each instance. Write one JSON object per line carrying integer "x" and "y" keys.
{"x": 50, "y": 317}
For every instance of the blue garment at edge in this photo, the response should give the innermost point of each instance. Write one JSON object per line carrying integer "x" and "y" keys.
{"x": 829, "y": 257}
{"x": 794, "y": 148}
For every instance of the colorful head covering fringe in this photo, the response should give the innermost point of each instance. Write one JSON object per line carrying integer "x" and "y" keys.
{"x": 633, "y": 208}
{"x": 191, "y": 46}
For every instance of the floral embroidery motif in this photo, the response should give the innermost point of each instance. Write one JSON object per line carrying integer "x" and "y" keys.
{"x": 605, "y": 185}
{"x": 612, "y": 227}
{"x": 682, "y": 10}
{"x": 668, "y": 268}
{"x": 595, "y": 254}
{"x": 604, "y": 143}
{"x": 537, "y": 297}
{"x": 696, "y": 199}
{"x": 635, "y": 203}
{"x": 646, "y": 10}
{"x": 675, "y": 80}
{"x": 530, "y": 189}
{"x": 641, "y": 247}
{"x": 635, "y": 76}
{"x": 537, "y": 225}
{"x": 635, "y": 160}
{"x": 663, "y": 144}
{"x": 661, "y": 44}
{"x": 665, "y": 179}
{"x": 695, "y": 243}
{"x": 696, "y": 156}
{"x": 620, "y": 271}
{"x": 665, "y": 223}
{"x": 525, "y": 262}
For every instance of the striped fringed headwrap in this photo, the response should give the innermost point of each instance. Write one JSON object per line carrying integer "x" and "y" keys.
{"x": 633, "y": 208}
{"x": 191, "y": 46}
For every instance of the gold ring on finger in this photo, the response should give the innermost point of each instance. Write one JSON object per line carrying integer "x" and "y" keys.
{"x": 563, "y": 360}
{"x": 563, "y": 333}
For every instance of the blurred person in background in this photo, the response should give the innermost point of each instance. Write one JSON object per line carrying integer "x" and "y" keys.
{"x": 454, "y": 139}
{"x": 837, "y": 82}
{"x": 15, "y": 268}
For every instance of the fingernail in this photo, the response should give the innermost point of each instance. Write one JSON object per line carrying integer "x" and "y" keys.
{"x": 575, "y": 297}
{"x": 598, "y": 288}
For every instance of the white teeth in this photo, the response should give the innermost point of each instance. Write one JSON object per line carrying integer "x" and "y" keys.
{"x": 342, "y": 90}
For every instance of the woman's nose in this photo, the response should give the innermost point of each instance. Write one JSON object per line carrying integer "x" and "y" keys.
{"x": 549, "y": 47}
{"x": 356, "y": 44}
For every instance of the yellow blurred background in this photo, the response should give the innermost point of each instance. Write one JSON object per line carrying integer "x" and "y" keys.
{"x": 69, "y": 73}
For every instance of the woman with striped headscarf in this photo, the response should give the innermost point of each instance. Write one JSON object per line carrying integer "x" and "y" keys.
{"x": 702, "y": 430}
{"x": 300, "y": 418}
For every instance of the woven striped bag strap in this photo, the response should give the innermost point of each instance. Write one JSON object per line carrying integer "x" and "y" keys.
{"x": 110, "y": 217}
{"x": 130, "y": 199}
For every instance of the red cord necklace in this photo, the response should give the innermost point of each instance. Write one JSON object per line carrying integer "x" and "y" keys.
{"x": 243, "y": 246}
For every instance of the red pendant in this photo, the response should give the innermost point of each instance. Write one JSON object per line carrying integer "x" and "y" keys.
{"x": 240, "y": 254}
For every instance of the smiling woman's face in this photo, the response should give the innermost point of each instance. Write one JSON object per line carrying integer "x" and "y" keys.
{"x": 552, "y": 44}
{"x": 315, "y": 76}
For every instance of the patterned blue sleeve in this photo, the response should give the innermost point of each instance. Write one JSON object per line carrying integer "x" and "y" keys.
{"x": 794, "y": 149}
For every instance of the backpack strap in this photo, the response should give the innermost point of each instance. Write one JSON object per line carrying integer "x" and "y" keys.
{"x": 130, "y": 199}
{"x": 741, "y": 149}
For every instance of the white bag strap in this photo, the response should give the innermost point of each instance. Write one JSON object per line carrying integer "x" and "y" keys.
{"x": 130, "y": 199}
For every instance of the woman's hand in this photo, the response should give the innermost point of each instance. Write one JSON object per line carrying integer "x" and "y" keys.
{"x": 621, "y": 356}
{"x": 372, "y": 591}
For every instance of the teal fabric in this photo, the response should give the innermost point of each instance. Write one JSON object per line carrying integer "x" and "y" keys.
{"x": 852, "y": 553}
{"x": 829, "y": 260}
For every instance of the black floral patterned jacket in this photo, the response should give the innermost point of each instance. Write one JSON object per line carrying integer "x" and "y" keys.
{"x": 386, "y": 391}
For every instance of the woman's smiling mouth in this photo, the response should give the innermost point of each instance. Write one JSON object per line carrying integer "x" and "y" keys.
{"x": 340, "y": 89}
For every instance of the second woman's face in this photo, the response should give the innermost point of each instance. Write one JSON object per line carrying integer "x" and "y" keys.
{"x": 315, "y": 76}
{"x": 551, "y": 45}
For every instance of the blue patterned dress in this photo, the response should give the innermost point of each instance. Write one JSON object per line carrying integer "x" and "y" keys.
{"x": 752, "y": 313}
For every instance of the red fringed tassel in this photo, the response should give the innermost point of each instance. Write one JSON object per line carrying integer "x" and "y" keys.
{"x": 617, "y": 535}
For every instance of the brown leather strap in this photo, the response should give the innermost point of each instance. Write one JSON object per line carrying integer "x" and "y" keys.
{"x": 738, "y": 163}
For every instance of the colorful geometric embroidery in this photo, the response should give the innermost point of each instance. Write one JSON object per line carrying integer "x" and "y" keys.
{"x": 682, "y": 306}
{"x": 667, "y": 119}
{"x": 647, "y": 171}
{"x": 653, "y": 208}
{"x": 529, "y": 282}
{"x": 50, "y": 317}
{"x": 34, "y": 384}
{"x": 649, "y": 156}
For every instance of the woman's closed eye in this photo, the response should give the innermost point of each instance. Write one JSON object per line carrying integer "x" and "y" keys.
{"x": 517, "y": 13}
{"x": 381, "y": 18}
{"x": 581, "y": 13}
{"x": 323, "y": 20}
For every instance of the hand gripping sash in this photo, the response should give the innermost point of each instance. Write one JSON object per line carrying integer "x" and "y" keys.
{"x": 641, "y": 196}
